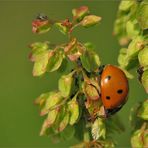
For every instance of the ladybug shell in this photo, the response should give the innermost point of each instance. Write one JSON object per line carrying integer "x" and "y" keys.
{"x": 114, "y": 87}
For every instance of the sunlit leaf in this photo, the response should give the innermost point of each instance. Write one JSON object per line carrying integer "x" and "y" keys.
{"x": 135, "y": 46}
{"x": 49, "y": 121}
{"x": 144, "y": 80}
{"x": 42, "y": 99}
{"x": 40, "y": 64}
{"x": 53, "y": 99}
{"x": 73, "y": 107}
{"x": 91, "y": 92}
{"x": 125, "y": 5}
{"x": 90, "y": 60}
{"x": 63, "y": 29}
{"x": 143, "y": 57}
{"x": 142, "y": 15}
{"x": 41, "y": 26}
{"x": 79, "y": 13}
{"x": 90, "y": 20}
{"x": 143, "y": 110}
{"x": 55, "y": 61}
{"x": 139, "y": 139}
{"x": 62, "y": 120}
{"x": 132, "y": 28}
{"x": 66, "y": 83}
{"x": 98, "y": 129}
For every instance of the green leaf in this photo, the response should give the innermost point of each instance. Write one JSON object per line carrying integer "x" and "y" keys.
{"x": 39, "y": 46}
{"x": 40, "y": 64}
{"x": 136, "y": 140}
{"x": 53, "y": 99}
{"x": 132, "y": 28}
{"x": 90, "y": 60}
{"x": 89, "y": 45}
{"x": 73, "y": 108}
{"x": 125, "y": 5}
{"x": 145, "y": 80}
{"x": 123, "y": 60}
{"x": 49, "y": 121}
{"x": 42, "y": 99}
{"x": 62, "y": 120}
{"x": 142, "y": 15}
{"x": 79, "y": 13}
{"x": 91, "y": 92}
{"x": 68, "y": 133}
{"x": 143, "y": 57}
{"x": 66, "y": 83}
{"x": 90, "y": 20}
{"x": 55, "y": 61}
{"x": 135, "y": 46}
{"x": 143, "y": 110}
{"x": 98, "y": 129}
{"x": 63, "y": 29}
{"x": 107, "y": 144}
{"x": 41, "y": 26}
{"x": 128, "y": 75}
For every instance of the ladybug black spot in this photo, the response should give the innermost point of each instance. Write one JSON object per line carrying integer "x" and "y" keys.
{"x": 108, "y": 77}
{"x": 108, "y": 97}
{"x": 119, "y": 91}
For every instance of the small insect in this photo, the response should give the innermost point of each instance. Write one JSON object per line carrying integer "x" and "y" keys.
{"x": 114, "y": 89}
{"x": 42, "y": 17}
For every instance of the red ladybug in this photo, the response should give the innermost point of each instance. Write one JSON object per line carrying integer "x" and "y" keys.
{"x": 114, "y": 89}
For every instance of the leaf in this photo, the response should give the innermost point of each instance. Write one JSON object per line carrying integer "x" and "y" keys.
{"x": 143, "y": 110}
{"x": 79, "y": 13}
{"x": 98, "y": 129}
{"x": 144, "y": 80}
{"x": 73, "y": 108}
{"x": 107, "y": 144}
{"x": 38, "y": 50}
{"x": 90, "y": 20}
{"x": 143, "y": 57}
{"x": 91, "y": 92}
{"x": 39, "y": 46}
{"x": 66, "y": 83}
{"x": 136, "y": 140}
{"x": 142, "y": 15}
{"x": 63, "y": 29}
{"x": 75, "y": 52}
{"x": 123, "y": 60}
{"x": 125, "y": 5}
{"x": 132, "y": 28}
{"x": 128, "y": 75}
{"x": 90, "y": 60}
{"x": 89, "y": 45}
{"x": 49, "y": 121}
{"x": 68, "y": 133}
{"x": 41, "y": 26}
{"x": 53, "y": 99}
{"x": 42, "y": 99}
{"x": 62, "y": 120}
{"x": 40, "y": 64}
{"x": 72, "y": 44}
{"x": 135, "y": 46}
{"x": 134, "y": 120}
{"x": 55, "y": 61}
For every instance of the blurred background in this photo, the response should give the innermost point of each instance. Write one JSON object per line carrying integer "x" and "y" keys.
{"x": 20, "y": 122}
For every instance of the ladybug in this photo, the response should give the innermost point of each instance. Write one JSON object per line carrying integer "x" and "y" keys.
{"x": 114, "y": 89}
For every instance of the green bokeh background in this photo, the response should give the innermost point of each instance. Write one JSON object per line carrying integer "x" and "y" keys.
{"x": 19, "y": 118}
